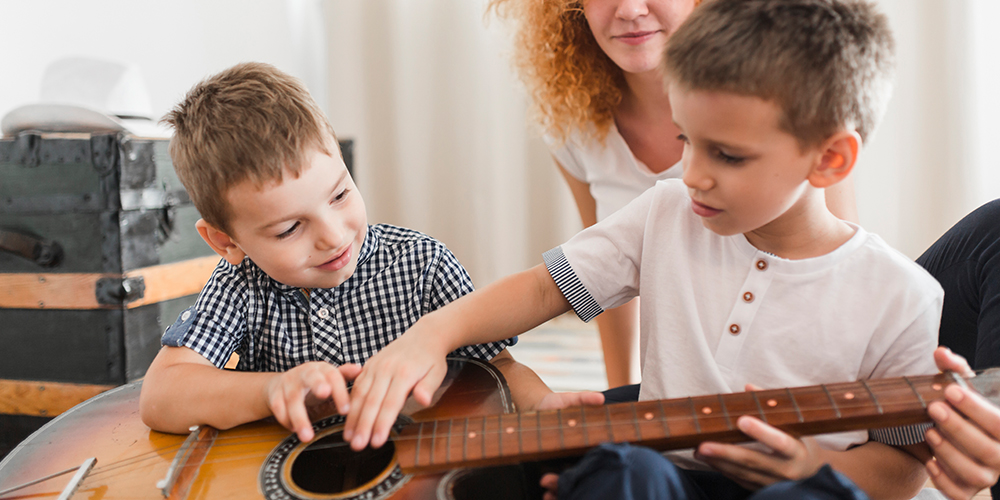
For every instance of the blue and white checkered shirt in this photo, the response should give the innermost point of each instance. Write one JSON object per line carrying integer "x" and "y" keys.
{"x": 401, "y": 275}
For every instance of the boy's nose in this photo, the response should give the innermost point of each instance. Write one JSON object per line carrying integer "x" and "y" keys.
{"x": 695, "y": 176}
{"x": 331, "y": 235}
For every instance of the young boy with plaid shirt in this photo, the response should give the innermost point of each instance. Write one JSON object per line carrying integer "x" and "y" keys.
{"x": 306, "y": 290}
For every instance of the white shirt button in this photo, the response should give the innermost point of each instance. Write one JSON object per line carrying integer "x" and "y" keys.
{"x": 323, "y": 313}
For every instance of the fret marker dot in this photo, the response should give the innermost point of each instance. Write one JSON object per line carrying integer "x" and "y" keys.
{"x": 772, "y": 403}
{"x": 849, "y": 395}
{"x": 472, "y": 435}
{"x": 510, "y": 430}
{"x": 648, "y": 415}
{"x": 706, "y": 410}
{"x": 936, "y": 387}
{"x": 571, "y": 423}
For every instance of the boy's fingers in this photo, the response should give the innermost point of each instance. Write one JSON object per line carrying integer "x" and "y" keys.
{"x": 350, "y": 371}
{"x": 315, "y": 380}
{"x": 358, "y": 394}
{"x": 979, "y": 442}
{"x": 738, "y": 471}
{"x": 982, "y": 413}
{"x": 770, "y": 436}
{"x": 424, "y": 389}
{"x": 367, "y": 409}
{"x": 299, "y": 417}
{"x": 338, "y": 391}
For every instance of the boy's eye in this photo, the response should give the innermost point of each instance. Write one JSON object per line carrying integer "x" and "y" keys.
{"x": 733, "y": 160}
{"x": 683, "y": 138}
{"x": 340, "y": 196}
{"x": 289, "y": 232}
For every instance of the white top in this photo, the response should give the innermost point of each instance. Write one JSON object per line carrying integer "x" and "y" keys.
{"x": 717, "y": 313}
{"x": 615, "y": 175}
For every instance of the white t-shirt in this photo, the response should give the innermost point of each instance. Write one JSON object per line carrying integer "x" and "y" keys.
{"x": 615, "y": 175}
{"x": 717, "y": 313}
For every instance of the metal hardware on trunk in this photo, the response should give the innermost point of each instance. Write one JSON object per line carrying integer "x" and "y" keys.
{"x": 45, "y": 253}
{"x": 120, "y": 291}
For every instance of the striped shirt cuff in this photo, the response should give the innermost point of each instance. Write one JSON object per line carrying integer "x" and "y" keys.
{"x": 900, "y": 436}
{"x": 569, "y": 284}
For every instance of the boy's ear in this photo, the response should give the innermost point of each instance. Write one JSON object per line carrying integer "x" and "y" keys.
{"x": 839, "y": 154}
{"x": 220, "y": 242}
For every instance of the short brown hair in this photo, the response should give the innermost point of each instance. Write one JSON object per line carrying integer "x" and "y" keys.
{"x": 249, "y": 122}
{"x": 827, "y": 63}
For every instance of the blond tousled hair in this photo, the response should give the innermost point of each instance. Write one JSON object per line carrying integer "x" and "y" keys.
{"x": 251, "y": 122}
{"x": 827, "y": 63}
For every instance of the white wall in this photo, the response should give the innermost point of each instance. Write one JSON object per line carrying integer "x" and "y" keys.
{"x": 176, "y": 43}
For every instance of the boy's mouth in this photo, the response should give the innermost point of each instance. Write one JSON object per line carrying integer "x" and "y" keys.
{"x": 704, "y": 210}
{"x": 337, "y": 263}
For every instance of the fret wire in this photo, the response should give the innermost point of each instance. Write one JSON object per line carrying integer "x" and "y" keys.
{"x": 484, "y": 437}
{"x": 562, "y": 438}
{"x": 832, "y": 402}
{"x": 915, "y": 391}
{"x": 760, "y": 409}
{"x": 725, "y": 412}
{"x": 538, "y": 427}
{"x": 434, "y": 441}
{"x": 795, "y": 404}
{"x": 465, "y": 440}
{"x": 635, "y": 420}
{"x": 520, "y": 435}
{"x": 500, "y": 435}
{"x": 583, "y": 427}
{"x": 694, "y": 415}
{"x": 663, "y": 411}
{"x": 878, "y": 406}
{"x": 447, "y": 453}
{"x": 420, "y": 433}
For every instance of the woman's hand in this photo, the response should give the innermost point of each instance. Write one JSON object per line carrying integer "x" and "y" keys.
{"x": 965, "y": 438}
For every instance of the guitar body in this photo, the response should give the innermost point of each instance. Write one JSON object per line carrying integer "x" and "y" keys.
{"x": 255, "y": 460}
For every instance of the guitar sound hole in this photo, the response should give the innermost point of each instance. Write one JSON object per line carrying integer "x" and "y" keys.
{"x": 330, "y": 466}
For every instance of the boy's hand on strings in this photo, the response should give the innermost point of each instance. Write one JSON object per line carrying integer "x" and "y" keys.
{"x": 407, "y": 364}
{"x": 293, "y": 395}
{"x": 965, "y": 438}
{"x": 790, "y": 459}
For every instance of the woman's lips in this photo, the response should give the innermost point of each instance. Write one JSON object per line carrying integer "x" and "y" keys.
{"x": 337, "y": 263}
{"x": 704, "y": 210}
{"x": 636, "y": 37}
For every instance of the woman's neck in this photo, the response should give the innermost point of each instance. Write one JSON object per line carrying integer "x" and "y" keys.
{"x": 644, "y": 98}
{"x": 644, "y": 120}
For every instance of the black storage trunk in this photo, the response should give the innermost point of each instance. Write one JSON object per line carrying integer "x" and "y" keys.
{"x": 98, "y": 254}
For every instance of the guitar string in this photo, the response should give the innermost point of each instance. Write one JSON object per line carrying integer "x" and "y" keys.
{"x": 703, "y": 418}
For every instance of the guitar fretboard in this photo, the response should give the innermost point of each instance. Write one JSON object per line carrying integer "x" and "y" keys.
{"x": 665, "y": 424}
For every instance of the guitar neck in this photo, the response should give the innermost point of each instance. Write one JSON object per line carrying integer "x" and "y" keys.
{"x": 668, "y": 424}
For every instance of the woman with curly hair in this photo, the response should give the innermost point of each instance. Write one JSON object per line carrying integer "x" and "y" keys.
{"x": 592, "y": 69}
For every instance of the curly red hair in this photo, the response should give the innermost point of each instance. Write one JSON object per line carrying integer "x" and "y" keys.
{"x": 574, "y": 85}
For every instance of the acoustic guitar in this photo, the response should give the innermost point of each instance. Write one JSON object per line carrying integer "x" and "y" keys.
{"x": 101, "y": 450}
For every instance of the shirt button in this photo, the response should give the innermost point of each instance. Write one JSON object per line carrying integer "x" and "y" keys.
{"x": 748, "y": 297}
{"x": 762, "y": 265}
{"x": 734, "y": 329}
{"x": 185, "y": 315}
{"x": 323, "y": 313}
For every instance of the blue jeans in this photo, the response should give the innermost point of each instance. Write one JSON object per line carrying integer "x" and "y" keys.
{"x": 625, "y": 472}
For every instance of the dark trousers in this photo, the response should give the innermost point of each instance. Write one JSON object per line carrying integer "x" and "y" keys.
{"x": 626, "y": 472}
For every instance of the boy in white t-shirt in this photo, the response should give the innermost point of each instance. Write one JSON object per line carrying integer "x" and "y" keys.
{"x": 745, "y": 275}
